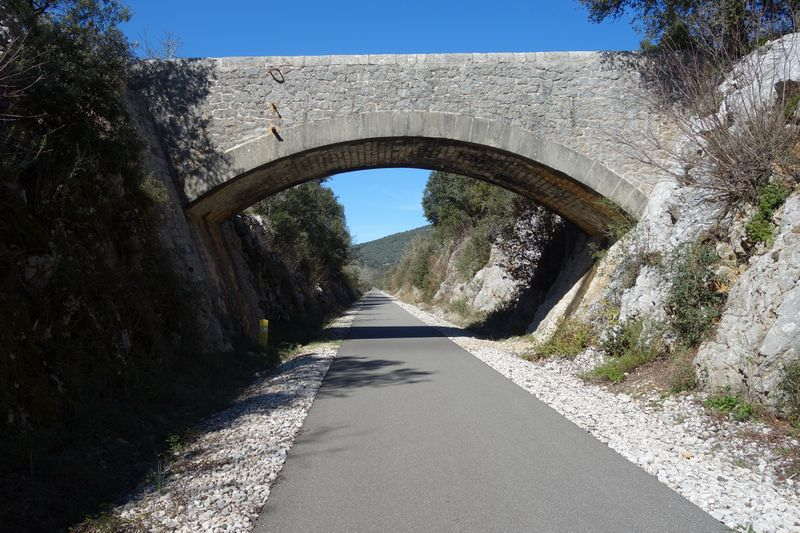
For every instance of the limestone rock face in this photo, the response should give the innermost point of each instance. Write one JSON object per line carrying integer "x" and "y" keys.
{"x": 754, "y": 78}
{"x": 492, "y": 285}
{"x": 634, "y": 274}
{"x": 759, "y": 332}
{"x": 522, "y": 264}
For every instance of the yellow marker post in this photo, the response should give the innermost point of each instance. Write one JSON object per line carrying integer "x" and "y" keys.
{"x": 263, "y": 332}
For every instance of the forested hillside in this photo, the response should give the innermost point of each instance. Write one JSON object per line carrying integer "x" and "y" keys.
{"x": 374, "y": 259}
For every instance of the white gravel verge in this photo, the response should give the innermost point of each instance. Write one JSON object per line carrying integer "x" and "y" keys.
{"x": 221, "y": 481}
{"x": 702, "y": 458}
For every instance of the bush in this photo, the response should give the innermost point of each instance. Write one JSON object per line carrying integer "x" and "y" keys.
{"x": 629, "y": 345}
{"x": 729, "y": 404}
{"x": 738, "y": 140}
{"x": 790, "y": 385}
{"x": 459, "y": 307}
{"x": 475, "y": 254}
{"x": 682, "y": 374}
{"x": 760, "y": 227}
{"x": 415, "y": 267}
{"x": 622, "y": 337}
{"x": 308, "y": 229}
{"x": 570, "y": 338}
{"x": 693, "y": 303}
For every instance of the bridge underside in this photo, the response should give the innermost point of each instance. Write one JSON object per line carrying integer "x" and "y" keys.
{"x": 547, "y": 186}
{"x": 570, "y": 184}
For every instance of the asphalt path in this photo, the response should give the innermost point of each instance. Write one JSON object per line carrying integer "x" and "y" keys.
{"x": 409, "y": 432}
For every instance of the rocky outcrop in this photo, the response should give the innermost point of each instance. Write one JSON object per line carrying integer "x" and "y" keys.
{"x": 759, "y": 332}
{"x": 632, "y": 275}
{"x": 491, "y": 287}
{"x": 503, "y": 296}
{"x": 280, "y": 292}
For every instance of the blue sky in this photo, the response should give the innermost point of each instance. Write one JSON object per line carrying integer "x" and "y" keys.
{"x": 384, "y": 201}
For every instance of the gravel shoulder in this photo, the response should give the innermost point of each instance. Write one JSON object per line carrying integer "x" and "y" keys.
{"x": 701, "y": 457}
{"x": 222, "y": 479}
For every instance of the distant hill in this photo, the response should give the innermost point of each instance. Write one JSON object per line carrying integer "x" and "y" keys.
{"x": 375, "y": 258}
{"x": 386, "y": 252}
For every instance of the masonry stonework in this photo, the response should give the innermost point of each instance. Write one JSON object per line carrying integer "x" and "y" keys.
{"x": 564, "y": 112}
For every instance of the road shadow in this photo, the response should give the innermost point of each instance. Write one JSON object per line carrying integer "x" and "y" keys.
{"x": 352, "y": 372}
{"x": 396, "y": 332}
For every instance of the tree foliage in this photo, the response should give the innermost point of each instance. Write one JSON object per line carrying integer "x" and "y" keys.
{"x": 462, "y": 210}
{"x": 386, "y": 251}
{"x": 732, "y": 24}
{"x": 453, "y": 203}
{"x": 308, "y": 228}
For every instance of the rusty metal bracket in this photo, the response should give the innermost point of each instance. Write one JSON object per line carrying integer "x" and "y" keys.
{"x": 276, "y": 74}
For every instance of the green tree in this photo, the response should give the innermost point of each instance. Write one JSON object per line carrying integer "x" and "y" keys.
{"x": 66, "y": 124}
{"x": 454, "y": 203}
{"x": 734, "y": 25}
{"x": 308, "y": 228}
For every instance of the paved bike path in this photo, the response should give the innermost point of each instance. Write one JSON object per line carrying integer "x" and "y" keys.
{"x": 409, "y": 432}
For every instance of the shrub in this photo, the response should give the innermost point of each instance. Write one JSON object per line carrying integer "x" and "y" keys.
{"x": 732, "y": 405}
{"x": 621, "y": 337}
{"x": 791, "y": 101}
{"x": 475, "y": 253}
{"x": 570, "y": 338}
{"x": 415, "y": 267}
{"x": 732, "y": 150}
{"x": 460, "y": 307}
{"x": 790, "y": 385}
{"x": 760, "y": 227}
{"x": 682, "y": 374}
{"x": 629, "y": 346}
{"x": 693, "y": 303}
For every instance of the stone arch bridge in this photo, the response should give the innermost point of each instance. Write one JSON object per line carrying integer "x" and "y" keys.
{"x": 546, "y": 125}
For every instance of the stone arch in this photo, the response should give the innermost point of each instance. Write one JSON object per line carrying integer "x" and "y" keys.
{"x": 560, "y": 178}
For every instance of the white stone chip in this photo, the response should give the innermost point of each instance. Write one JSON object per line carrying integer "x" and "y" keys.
{"x": 222, "y": 480}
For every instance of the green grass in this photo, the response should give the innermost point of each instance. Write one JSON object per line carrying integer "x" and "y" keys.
{"x": 570, "y": 338}
{"x": 732, "y": 405}
{"x": 616, "y": 370}
{"x": 628, "y": 346}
